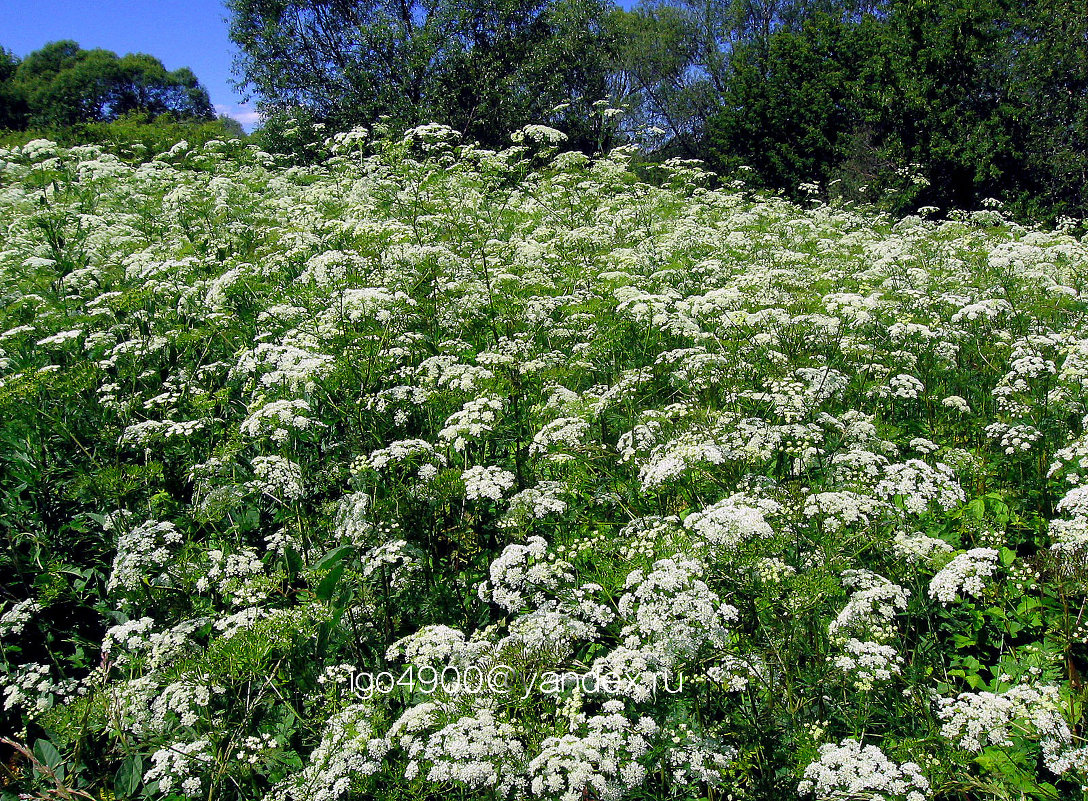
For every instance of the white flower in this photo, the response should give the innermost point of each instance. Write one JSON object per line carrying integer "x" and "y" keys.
{"x": 277, "y": 478}
{"x": 905, "y": 386}
{"x": 277, "y": 419}
{"x": 729, "y": 523}
{"x": 349, "y": 749}
{"x": 868, "y": 663}
{"x": 839, "y": 510}
{"x": 487, "y": 483}
{"x": 142, "y": 552}
{"x": 14, "y": 620}
{"x": 977, "y": 720}
{"x": 919, "y": 485}
{"x": 603, "y": 758}
{"x": 957, "y": 403}
{"x": 538, "y": 502}
{"x": 918, "y": 547}
{"x": 477, "y": 418}
{"x": 850, "y": 770}
{"x": 522, "y": 573}
{"x": 478, "y": 751}
{"x": 872, "y": 608}
{"x": 671, "y": 611}
{"x": 964, "y": 575}
{"x": 540, "y": 134}
{"x": 179, "y": 765}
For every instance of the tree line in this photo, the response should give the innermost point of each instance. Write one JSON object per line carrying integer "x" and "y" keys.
{"x": 64, "y": 85}
{"x": 910, "y": 103}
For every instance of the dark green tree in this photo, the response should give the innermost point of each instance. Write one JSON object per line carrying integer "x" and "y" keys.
{"x": 925, "y": 103}
{"x": 1052, "y": 81}
{"x": 142, "y": 84}
{"x": 956, "y": 109}
{"x": 12, "y": 101}
{"x": 514, "y": 62}
{"x": 62, "y": 84}
{"x": 683, "y": 63}
{"x": 799, "y": 103}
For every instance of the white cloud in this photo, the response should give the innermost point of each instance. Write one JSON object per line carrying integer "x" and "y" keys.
{"x": 245, "y": 113}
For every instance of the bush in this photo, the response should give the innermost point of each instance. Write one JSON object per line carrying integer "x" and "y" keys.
{"x": 134, "y": 137}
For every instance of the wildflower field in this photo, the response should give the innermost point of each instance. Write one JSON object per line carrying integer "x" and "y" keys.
{"x": 434, "y": 471}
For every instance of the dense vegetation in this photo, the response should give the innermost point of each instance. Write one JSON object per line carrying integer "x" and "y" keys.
{"x": 617, "y": 490}
{"x": 906, "y": 103}
{"x": 131, "y": 106}
{"x": 64, "y": 85}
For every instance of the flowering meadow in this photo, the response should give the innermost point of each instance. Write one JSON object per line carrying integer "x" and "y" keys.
{"x": 435, "y": 471}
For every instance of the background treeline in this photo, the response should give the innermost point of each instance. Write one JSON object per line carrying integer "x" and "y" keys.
{"x": 927, "y": 103}
{"x": 906, "y": 103}
{"x": 79, "y": 96}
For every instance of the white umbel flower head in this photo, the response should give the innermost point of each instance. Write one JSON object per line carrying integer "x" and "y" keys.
{"x": 850, "y": 770}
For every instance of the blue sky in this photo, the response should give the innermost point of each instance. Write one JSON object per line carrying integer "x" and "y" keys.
{"x": 180, "y": 33}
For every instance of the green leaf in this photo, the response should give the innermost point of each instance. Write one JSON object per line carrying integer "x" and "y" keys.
{"x": 998, "y": 508}
{"x": 970, "y": 663}
{"x": 1028, "y": 607}
{"x": 328, "y": 584}
{"x": 964, "y": 642}
{"x": 47, "y": 754}
{"x": 332, "y": 557}
{"x": 976, "y": 508}
{"x": 294, "y": 564}
{"x": 127, "y": 780}
{"x": 1007, "y": 557}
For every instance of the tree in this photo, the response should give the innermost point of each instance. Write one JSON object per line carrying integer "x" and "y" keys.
{"x": 928, "y": 103}
{"x": 956, "y": 110}
{"x": 793, "y": 110}
{"x": 514, "y": 61}
{"x": 142, "y": 84}
{"x": 62, "y": 84}
{"x": 683, "y": 63}
{"x": 1052, "y": 81}
{"x": 485, "y": 67}
{"x": 653, "y": 58}
{"x": 12, "y": 101}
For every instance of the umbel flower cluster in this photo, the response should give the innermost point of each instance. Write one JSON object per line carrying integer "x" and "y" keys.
{"x": 430, "y": 470}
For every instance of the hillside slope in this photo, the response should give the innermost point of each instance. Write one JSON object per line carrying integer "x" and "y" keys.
{"x": 433, "y": 469}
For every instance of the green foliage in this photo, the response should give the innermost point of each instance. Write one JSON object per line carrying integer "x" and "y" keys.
{"x": 793, "y": 102}
{"x": 134, "y": 137}
{"x": 485, "y": 69}
{"x": 12, "y": 101}
{"x": 63, "y": 85}
{"x": 919, "y": 104}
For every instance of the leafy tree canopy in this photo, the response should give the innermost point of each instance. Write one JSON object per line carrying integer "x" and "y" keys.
{"x": 62, "y": 84}
{"x": 485, "y": 67}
